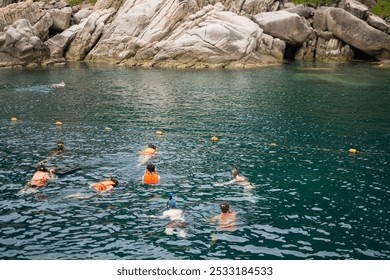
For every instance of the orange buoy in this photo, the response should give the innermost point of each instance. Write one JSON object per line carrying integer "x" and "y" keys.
{"x": 159, "y": 132}
{"x": 352, "y": 151}
{"x": 214, "y": 138}
{"x": 14, "y": 119}
{"x": 58, "y": 123}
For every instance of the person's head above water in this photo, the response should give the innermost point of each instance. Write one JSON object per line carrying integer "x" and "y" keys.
{"x": 151, "y": 168}
{"x": 152, "y": 146}
{"x": 224, "y": 207}
{"x": 60, "y": 145}
{"x": 171, "y": 203}
{"x": 41, "y": 167}
{"x": 115, "y": 182}
{"x": 234, "y": 172}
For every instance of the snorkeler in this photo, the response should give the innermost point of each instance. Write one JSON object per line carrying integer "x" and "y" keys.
{"x": 39, "y": 179}
{"x": 226, "y": 220}
{"x": 146, "y": 154}
{"x": 62, "y": 84}
{"x": 104, "y": 186}
{"x": 60, "y": 149}
{"x": 177, "y": 225}
{"x": 150, "y": 175}
{"x": 236, "y": 178}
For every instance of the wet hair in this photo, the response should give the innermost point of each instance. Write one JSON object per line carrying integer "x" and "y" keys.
{"x": 234, "y": 172}
{"x": 115, "y": 182}
{"x": 152, "y": 146}
{"x": 150, "y": 167}
{"x": 41, "y": 167}
{"x": 60, "y": 145}
{"x": 224, "y": 207}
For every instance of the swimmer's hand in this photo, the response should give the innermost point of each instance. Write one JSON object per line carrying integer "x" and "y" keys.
{"x": 152, "y": 216}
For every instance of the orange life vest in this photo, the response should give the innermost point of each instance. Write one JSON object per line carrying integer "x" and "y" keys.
{"x": 150, "y": 178}
{"x": 102, "y": 186}
{"x": 148, "y": 152}
{"x": 39, "y": 179}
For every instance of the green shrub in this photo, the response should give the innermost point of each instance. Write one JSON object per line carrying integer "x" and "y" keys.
{"x": 382, "y": 8}
{"x": 78, "y": 2}
{"x": 315, "y": 2}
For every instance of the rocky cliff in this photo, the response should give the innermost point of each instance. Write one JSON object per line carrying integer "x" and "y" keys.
{"x": 188, "y": 33}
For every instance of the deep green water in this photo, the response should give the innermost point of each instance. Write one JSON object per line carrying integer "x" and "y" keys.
{"x": 312, "y": 199}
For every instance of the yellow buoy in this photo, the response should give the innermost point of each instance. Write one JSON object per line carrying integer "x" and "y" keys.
{"x": 273, "y": 145}
{"x": 58, "y": 123}
{"x": 108, "y": 128}
{"x": 14, "y": 119}
{"x": 158, "y": 132}
{"x": 352, "y": 151}
{"x": 214, "y": 138}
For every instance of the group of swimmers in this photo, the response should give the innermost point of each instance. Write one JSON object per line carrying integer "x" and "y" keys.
{"x": 177, "y": 224}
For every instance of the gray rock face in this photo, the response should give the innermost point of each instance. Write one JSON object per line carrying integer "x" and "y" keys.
{"x": 187, "y": 33}
{"x": 19, "y": 46}
{"x": 61, "y": 18}
{"x": 141, "y": 34}
{"x": 32, "y": 12}
{"x": 378, "y": 23}
{"x": 217, "y": 38}
{"x": 356, "y": 8}
{"x": 79, "y": 39}
{"x": 284, "y": 25}
{"x": 358, "y": 33}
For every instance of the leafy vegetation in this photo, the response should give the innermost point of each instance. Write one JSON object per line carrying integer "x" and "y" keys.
{"x": 78, "y": 2}
{"x": 316, "y": 2}
{"x": 382, "y": 8}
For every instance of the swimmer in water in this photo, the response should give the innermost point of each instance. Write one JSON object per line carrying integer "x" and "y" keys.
{"x": 150, "y": 175}
{"x": 104, "y": 186}
{"x": 147, "y": 154}
{"x": 226, "y": 220}
{"x": 177, "y": 224}
{"x": 62, "y": 84}
{"x": 236, "y": 179}
{"x": 39, "y": 179}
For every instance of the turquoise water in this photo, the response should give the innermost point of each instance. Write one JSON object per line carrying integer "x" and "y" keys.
{"x": 312, "y": 199}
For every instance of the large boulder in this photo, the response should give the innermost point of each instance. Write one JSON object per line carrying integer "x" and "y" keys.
{"x": 217, "y": 38}
{"x": 138, "y": 24}
{"x": 89, "y": 33}
{"x": 254, "y": 7}
{"x": 284, "y": 25}
{"x": 20, "y": 47}
{"x": 61, "y": 18}
{"x": 4, "y": 3}
{"x": 81, "y": 14}
{"x": 163, "y": 33}
{"x": 76, "y": 41}
{"x": 32, "y": 12}
{"x": 356, "y": 8}
{"x": 378, "y": 23}
{"x": 357, "y": 33}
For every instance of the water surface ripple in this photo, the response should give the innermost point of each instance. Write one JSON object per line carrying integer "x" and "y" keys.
{"x": 312, "y": 199}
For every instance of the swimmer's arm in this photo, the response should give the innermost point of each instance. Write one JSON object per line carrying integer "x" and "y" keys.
{"x": 213, "y": 219}
{"x": 224, "y": 184}
{"x": 156, "y": 217}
